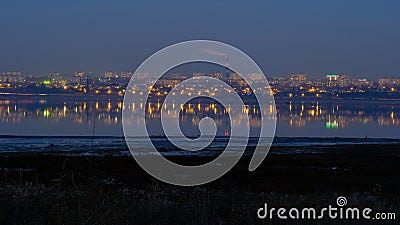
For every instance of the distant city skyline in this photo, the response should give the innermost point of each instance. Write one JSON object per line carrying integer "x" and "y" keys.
{"x": 112, "y": 83}
{"x": 311, "y": 36}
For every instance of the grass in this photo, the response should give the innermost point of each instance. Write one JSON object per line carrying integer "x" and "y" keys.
{"x": 159, "y": 203}
{"x": 57, "y": 189}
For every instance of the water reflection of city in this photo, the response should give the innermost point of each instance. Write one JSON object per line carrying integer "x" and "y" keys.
{"x": 299, "y": 114}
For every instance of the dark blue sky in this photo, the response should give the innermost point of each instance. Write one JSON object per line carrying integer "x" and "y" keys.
{"x": 358, "y": 37}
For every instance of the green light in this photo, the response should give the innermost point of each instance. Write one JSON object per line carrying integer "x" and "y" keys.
{"x": 46, "y": 82}
{"x": 46, "y": 113}
{"x": 328, "y": 125}
{"x": 332, "y": 125}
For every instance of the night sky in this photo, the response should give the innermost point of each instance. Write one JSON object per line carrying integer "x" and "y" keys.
{"x": 357, "y": 37}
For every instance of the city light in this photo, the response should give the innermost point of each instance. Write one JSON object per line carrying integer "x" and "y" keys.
{"x": 113, "y": 83}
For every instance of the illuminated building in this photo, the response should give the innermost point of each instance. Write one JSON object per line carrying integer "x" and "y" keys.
{"x": 297, "y": 79}
{"x": 79, "y": 74}
{"x": 126, "y": 75}
{"x": 12, "y": 77}
{"x": 337, "y": 80}
{"x": 389, "y": 83}
{"x": 110, "y": 74}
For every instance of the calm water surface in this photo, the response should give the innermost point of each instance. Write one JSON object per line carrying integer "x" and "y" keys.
{"x": 295, "y": 118}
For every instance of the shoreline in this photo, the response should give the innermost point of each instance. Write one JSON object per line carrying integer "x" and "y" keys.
{"x": 91, "y": 97}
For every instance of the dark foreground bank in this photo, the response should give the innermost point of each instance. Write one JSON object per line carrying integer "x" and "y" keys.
{"x": 51, "y": 188}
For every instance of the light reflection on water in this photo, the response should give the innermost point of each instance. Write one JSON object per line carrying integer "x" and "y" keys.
{"x": 349, "y": 118}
